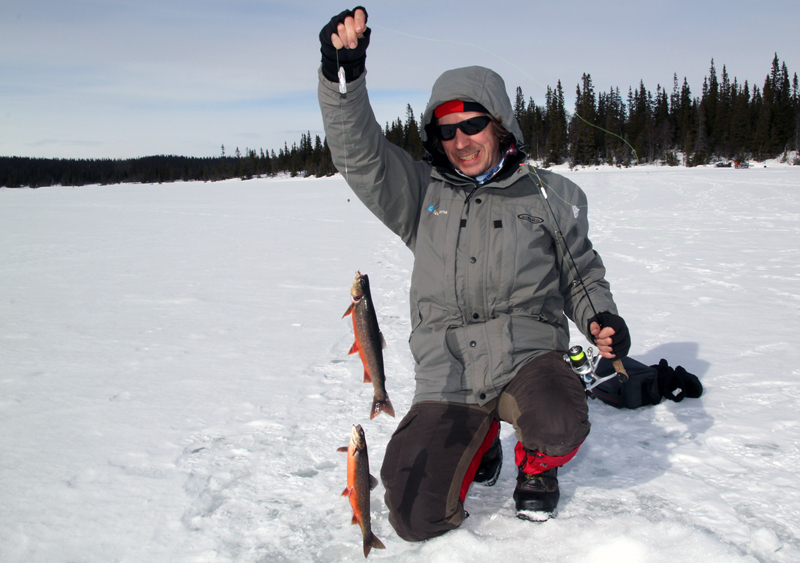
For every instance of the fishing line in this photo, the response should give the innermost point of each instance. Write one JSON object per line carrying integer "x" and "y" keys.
{"x": 619, "y": 368}
{"x": 517, "y": 67}
{"x": 534, "y": 175}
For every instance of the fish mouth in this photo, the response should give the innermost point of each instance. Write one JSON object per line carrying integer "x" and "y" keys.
{"x": 356, "y": 298}
{"x": 357, "y": 436}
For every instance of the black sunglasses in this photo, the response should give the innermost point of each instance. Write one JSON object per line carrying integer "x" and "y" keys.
{"x": 471, "y": 126}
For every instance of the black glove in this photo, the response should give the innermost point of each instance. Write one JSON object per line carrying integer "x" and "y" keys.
{"x": 351, "y": 59}
{"x": 621, "y": 341}
{"x": 689, "y": 383}
{"x": 676, "y": 384}
{"x": 669, "y": 386}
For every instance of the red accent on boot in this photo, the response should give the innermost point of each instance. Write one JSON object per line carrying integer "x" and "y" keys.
{"x": 494, "y": 429}
{"x": 537, "y": 462}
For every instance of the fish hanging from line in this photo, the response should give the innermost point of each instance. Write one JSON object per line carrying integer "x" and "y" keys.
{"x": 369, "y": 343}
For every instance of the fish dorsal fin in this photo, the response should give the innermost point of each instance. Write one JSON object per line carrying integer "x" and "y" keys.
{"x": 373, "y": 482}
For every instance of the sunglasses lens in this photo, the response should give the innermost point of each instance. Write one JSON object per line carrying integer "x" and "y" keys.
{"x": 447, "y": 132}
{"x": 471, "y": 126}
{"x": 475, "y": 125}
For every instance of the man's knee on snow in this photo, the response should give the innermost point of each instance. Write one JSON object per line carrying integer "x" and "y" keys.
{"x": 422, "y": 519}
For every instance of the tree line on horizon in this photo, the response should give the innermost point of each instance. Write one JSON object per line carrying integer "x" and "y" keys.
{"x": 307, "y": 159}
{"x": 728, "y": 121}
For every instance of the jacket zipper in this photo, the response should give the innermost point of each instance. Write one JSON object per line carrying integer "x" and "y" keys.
{"x": 470, "y": 194}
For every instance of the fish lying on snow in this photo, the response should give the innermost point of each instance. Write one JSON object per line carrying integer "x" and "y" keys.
{"x": 369, "y": 343}
{"x": 359, "y": 484}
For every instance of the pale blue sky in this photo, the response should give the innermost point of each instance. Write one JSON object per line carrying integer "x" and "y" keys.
{"x": 118, "y": 78}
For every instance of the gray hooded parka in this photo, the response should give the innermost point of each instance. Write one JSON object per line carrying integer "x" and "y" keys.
{"x": 492, "y": 280}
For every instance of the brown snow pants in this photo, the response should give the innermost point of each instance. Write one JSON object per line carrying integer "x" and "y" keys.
{"x": 429, "y": 454}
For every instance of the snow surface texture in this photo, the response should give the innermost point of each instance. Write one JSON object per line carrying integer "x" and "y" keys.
{"x": 174, "y": 377}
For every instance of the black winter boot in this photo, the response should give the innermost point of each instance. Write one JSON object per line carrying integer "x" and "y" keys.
{"x": 489, "y": 468}
{"x": 536, "y": 496}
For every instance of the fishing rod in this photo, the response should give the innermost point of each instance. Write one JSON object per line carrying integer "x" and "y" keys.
{"x": 580, "y": 363}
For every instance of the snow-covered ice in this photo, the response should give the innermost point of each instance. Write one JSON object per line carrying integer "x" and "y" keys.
{"x": 174, "y": 376}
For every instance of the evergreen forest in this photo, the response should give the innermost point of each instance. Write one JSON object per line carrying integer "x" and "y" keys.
{"x": 727, "y": 121}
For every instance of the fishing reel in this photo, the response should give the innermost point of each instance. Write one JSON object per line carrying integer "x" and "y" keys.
{"x": 584, "y": 365}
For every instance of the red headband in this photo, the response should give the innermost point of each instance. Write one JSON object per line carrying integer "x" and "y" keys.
{"x": 458, "y": 106}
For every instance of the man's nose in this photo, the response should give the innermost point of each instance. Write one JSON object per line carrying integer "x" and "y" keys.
{"x": 461, "y": 139}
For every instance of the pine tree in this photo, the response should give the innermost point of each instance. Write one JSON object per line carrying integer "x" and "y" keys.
{"x": 556, "y": 120}
{"x": 722, "y": 144}
{"x": 584, "y": 133}
{"x": 640, "y": 122}
{"x": 700, "y": 155}
{"x": 527, "y": 116}
{"x": 615, "y": 122}
{"x": 394, "y": 133}
{"x": 783, "y": 127}
{"x": 796, "y": 105}
{"x": 274, "y": 163}
{"x": 534, "y": 129}
{"x": 764, "y": 144}
{"x": 663, "y": 129}
{"x": 740, "y": 129}
{"x": 519, "y": 106}
{"x": 710, "y": 103}
{"x": 412, "y": 141}
{"x": 686, "y": 120}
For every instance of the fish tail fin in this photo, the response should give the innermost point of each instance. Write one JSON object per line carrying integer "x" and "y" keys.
{"x": 370, "y": 542}
{"x": 379, "y": 406}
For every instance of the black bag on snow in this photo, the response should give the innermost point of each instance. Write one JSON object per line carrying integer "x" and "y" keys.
{"x": 639, "y": 390}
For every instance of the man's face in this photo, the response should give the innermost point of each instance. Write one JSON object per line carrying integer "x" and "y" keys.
{"x": 472, "y": 154}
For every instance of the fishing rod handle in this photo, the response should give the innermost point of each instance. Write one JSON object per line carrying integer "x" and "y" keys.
{"x": 620, "y": 370}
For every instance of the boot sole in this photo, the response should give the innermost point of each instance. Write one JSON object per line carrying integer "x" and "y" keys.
{"x": 492, "y": 480}
{"x": 535, "y": 515}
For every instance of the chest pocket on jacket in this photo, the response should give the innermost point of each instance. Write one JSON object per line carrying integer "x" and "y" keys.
{"x": 529, "y": 257}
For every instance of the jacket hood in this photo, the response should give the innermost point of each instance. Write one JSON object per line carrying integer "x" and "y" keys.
{"x": 476, "y": 84}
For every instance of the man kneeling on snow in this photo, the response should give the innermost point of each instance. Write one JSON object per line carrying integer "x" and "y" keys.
{"x": 497, "y": 271}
